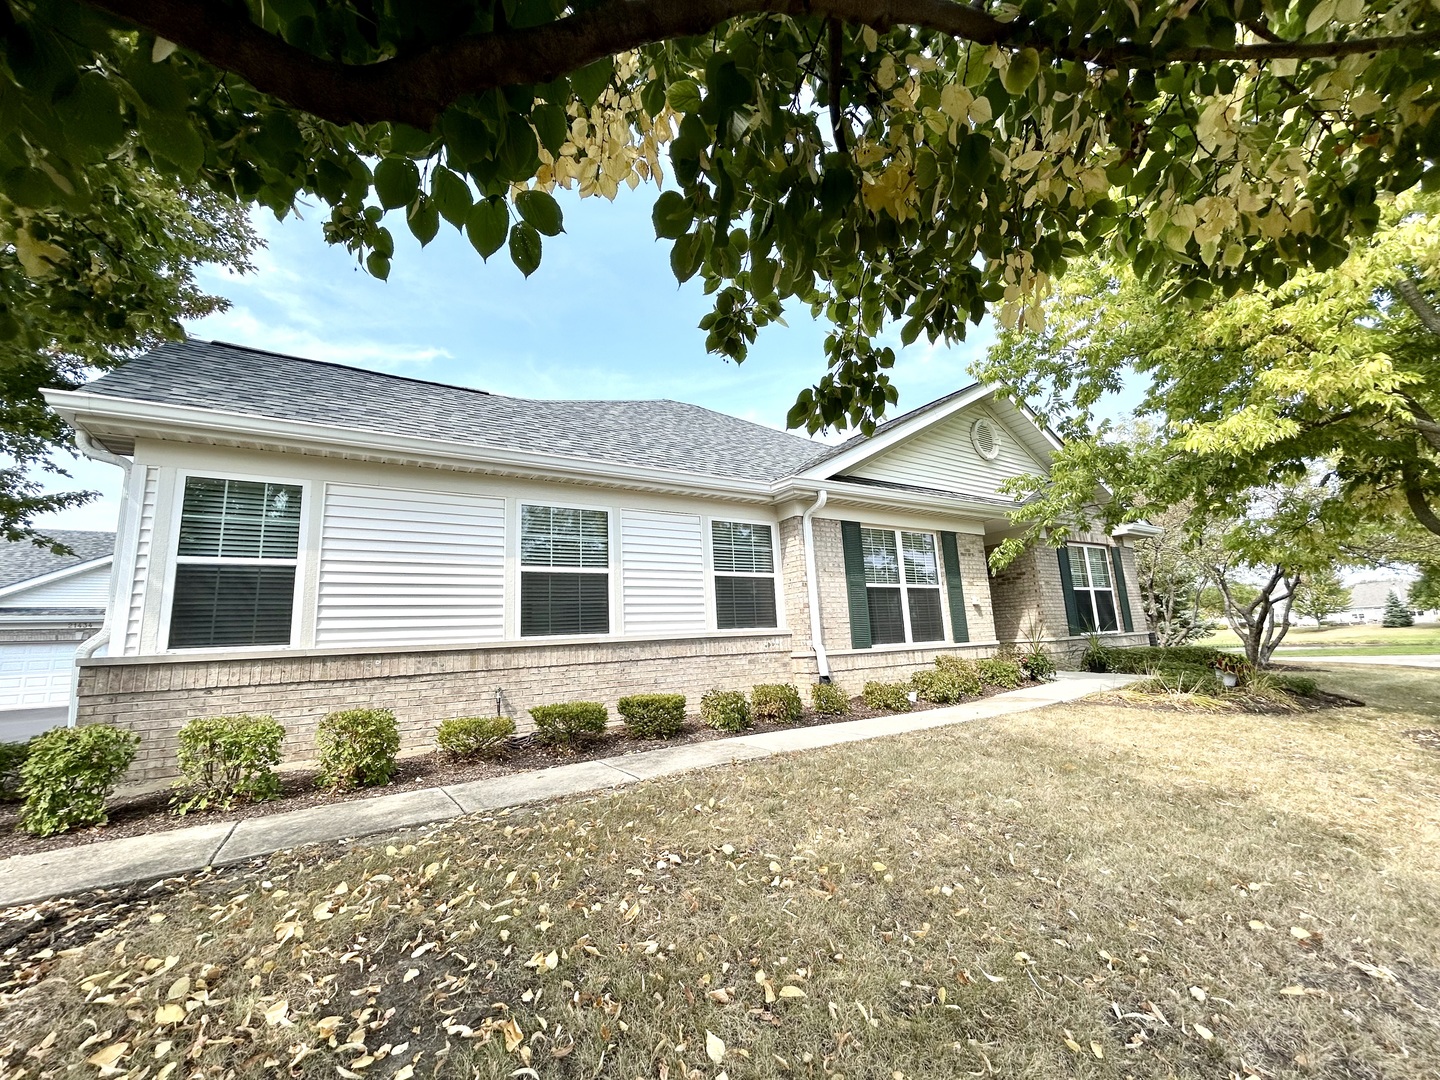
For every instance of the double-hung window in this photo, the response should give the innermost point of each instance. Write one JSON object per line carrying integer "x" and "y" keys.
{"x": 1094, "y": 589}
{"x": 564, "y": 571}
{"x": 902, "y": 578}
{"x": 743, "y": 555}
{"x": 235, "y": 564}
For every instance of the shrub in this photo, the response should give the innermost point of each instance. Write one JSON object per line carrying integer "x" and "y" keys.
{"x": 356, "y": 748}
{"x": 725, "y": 710}
{"x": 569, "y": 723}
{"x": 473, "y": 736}
{"x": 1004, "y": 674}
{"x": 653, "y": 716}
{"x": 894, "y": 696}
{"x": 1096, "y": 656}
{"x": 964, "y": 676}
{"x": 12, "y": 756}
{"x": 777, "y": 702}
{"x": 829, "y": 700}
{"x": 1299, "y": 685}
{"x": 69, "y": 773}
{"x": 943, "y": 686}
{"x": 1036, "y": 664}
{"x": 226, "y": 758}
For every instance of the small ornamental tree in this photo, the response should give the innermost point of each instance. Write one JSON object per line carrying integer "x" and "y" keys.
{"x": 1321, "y": 596}
{"x": 1396, "y": 613}
{"x": 1424, "y": 594}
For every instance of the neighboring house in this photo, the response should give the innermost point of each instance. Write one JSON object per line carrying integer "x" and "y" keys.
{"x": 302, "y": 536}
{"x": 49, "y": 604}
{"x": 1367, "y": 599}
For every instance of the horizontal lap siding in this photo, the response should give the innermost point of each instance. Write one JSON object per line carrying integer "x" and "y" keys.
{"x": 662, "y": 560}
{"x": 90, "y": 589}
{"x": 945, "y": 459}
{"x": 410, "y": 567}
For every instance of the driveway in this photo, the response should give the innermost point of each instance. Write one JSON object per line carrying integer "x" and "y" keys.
{"x": 17, "y": 725}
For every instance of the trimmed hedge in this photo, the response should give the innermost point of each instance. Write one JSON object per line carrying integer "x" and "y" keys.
{"x": 829, "y": 700}
{"x": 653, "y": 716}
{"x": 569, "y": 723}
{"x": 726, "y": 710}
{"x": 777, "y": 702}
{"x": 12, "y": 756}
{"x": 356, "y": 748}
{"x": 964, "y": 675}
{"x": 225, "y": 759}
{"x": 941, "y": 687}
{"x": 473, "y": 736}
{"x": 1148, "y": 659}
{"x": 894, "y": 696}
{"x": 1005, "y": 674}
{"x": 69, "y": 774}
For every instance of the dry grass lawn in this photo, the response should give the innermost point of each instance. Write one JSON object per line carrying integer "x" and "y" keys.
{"x": 1091, "y": 890}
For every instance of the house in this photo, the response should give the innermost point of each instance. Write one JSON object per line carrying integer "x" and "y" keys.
{"x": 301, "y": 536}
{"x": 49, "y": 604}
{"x": 1367, "y": 599}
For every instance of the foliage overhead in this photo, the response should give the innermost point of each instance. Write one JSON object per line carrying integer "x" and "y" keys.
{"x": 897, "y": 166}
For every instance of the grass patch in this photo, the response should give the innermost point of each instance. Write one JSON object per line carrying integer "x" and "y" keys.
{"x": 1080, "y": 891}
{"x": 1404, "y": 639}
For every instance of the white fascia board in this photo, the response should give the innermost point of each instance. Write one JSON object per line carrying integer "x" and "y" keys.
{"x": 54, "y": 575}
{"x": 1139, "y": 528}
{"x": 150, "y": 419}
{"x": 870, "y": 495}
{"x": 895, "y": 433}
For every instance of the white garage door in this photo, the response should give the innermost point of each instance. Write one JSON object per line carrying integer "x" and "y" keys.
{"x": 33, "y": 676}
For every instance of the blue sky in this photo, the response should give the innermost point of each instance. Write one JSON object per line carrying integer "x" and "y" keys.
{"x": 601, "y": 318}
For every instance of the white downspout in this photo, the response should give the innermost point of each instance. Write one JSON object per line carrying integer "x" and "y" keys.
{"x": 812, "y": 586}
{"x": 92, "y": 645}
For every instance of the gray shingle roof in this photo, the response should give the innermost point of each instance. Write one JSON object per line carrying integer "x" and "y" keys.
{"x": 22, "y": 560}
{"x": 657, "y": 434}
{"x": 1372, "y": 594}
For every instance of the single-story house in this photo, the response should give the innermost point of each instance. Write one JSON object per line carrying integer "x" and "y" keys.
{"x": 49, "y": 604}
{"x": 299, "y": 536}
{"x": 1367, "y": 599}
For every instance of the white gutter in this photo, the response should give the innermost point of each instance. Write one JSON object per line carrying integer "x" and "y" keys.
{"x": 92, "y": 645}
{"x": 812, "y": 586}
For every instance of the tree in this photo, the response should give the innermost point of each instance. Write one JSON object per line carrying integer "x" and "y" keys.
{"x": 889, "y": 166}
{"x": 1396, "y": 613}
{"x": 1424, "y": 594}
{"x": 1172, "y": 577}
{"x": 1320, "y": 596}
{"x": 82, "y": 289}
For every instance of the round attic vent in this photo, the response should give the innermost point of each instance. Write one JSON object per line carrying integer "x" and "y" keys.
{"x": 986, "y": 438}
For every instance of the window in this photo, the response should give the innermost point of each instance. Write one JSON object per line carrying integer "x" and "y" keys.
{"x": 1094, "y": 591}
{"x": 568, "y": 589}
{"x": 902, "y": 577}
{"x": 744, "y": 559}
{"x": 235, "y": 564}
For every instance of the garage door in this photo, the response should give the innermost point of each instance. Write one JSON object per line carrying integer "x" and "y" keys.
{"x": 33, "y": 676}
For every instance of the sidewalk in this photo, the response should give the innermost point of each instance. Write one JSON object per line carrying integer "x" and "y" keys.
{"x": 27, "y": 878}
{"x": 1394, "y": 660}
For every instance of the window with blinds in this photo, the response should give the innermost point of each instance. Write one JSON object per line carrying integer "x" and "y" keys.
{"x": 743, "y": 557}
{"x": 235, "y": 564}
{"x": 902, "y": 577}
{"x": 565, "y": 571}
{"x": 1094, "y": 589}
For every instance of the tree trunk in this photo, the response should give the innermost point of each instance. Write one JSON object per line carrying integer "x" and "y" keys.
{"x": 1263, "y": 623}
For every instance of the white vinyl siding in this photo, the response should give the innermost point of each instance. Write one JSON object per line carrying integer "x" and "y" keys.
{"x": 82, "y": 589}
{"x": 144, "y": 541}
{"x": 945, "y": 459}
{"x": 409, "y": 567}
{"x": 662, "y": 572}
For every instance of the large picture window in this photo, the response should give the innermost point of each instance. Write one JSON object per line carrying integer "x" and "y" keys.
{"x": 235, "y": 564}
{"x": 1094, "y": 589}
{"x": 564, "y": 571}
{"x": 743, "y": 555}
{"x": 902, "y": 578}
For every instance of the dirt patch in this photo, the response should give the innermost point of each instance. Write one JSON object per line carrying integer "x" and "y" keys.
{"x": 1427, "y": 737}
{"x": 149, "y": 813}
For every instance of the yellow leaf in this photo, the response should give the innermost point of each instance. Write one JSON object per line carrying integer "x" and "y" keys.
{"x": 1072, "y": 1044}
{"x": 1097, "y": 1049}
{"x": 791, "y": 992}
{"x": 1293, "y": 991}
{"x": 714, "y": 1047}
{"x": 1300, "y": 933}
{"x": 328, "y": 1025}
{"x": 179, "y": 988}
{"x": 1256, "y": 924}
{"x": 107, "y": 1057}
{"x": 1204, "y": 1032}
{"x": 275, "y": 1014}
{"x": 1198, "y": 994}
{"x": 552, "y": 961}
{"x": 514, "y": 1036}
{"x": 405, "y": 1072}
{"x": 166, "y": 1071}
{"x": 869, "y": 38}
{"x": 170, "y": 1014}
{"x": 878, "y": 867}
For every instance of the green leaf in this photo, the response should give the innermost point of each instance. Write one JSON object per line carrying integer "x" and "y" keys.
{"x": 540, "y": 209}
{"x": 378, "y": 265}
{"x": 1024, "y": 66}
{"x": 451, "y": 196}
{"x": 467, "y": 138}
{"x": 486, "y": 226}
{"x": 525, "y": 248}
{"x": 684, "y": 95}
{"x": 424, "y": 220}
{"x": 397, "y": 182}
{"x": 550, "y": 123}
{"x": 686, "y": 256}
{"x": 672, "y": 215}
{"x": 172, "y": 138}
{"x": 590, "y": 82}
{"x": 652, "y": 97}
{"x": 520, "y": 152}
{"x": 90, "y": 114}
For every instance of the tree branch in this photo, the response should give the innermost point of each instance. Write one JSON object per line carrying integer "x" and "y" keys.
{"x": 836, "y": 57}
{"x": 416, "y": 89}
{"x": 1419, "y": 505}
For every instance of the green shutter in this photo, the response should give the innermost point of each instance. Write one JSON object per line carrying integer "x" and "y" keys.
{"x": 1122, "y": 594}
{"x": 855, "y": 585}
{"x": 954, "y": 586}
{"x": 1067, "y": 589}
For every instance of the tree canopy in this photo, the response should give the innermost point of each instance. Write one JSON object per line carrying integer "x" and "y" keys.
{"x": 893, "y": 167}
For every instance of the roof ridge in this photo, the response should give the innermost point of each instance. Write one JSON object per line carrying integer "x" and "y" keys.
{"x": 342, "y": 367}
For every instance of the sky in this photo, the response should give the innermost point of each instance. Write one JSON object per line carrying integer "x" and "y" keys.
{"x": 602, "y": 317}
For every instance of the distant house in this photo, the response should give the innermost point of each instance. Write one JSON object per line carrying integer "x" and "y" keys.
{"x": 49, "y": 604}
{"x": 302, "y": 536}
{"x": 1367, "y": 599}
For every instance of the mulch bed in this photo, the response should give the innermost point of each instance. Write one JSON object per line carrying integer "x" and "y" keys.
{"x": 149, "y": 813}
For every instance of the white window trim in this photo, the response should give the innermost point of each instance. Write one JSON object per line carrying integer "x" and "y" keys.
{"x": 905, "y": 587}
{"x": 1091, "y": 590}
{"x": 301, "y": 561}
{"x": 614, "y": 600}
{"x": 711, "y": 601}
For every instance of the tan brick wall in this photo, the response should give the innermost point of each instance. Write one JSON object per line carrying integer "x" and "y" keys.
{"x": 853, "y": 668}
{"x": 793, "y": 591}
{"x": 155, "y": 698}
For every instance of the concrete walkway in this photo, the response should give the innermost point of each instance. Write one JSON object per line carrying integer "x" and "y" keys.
{"x": 1419, "y": 661}
{"x": 106, "y": 863}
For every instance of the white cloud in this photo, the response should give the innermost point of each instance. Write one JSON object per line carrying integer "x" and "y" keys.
{"x": 240, "y": 326}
